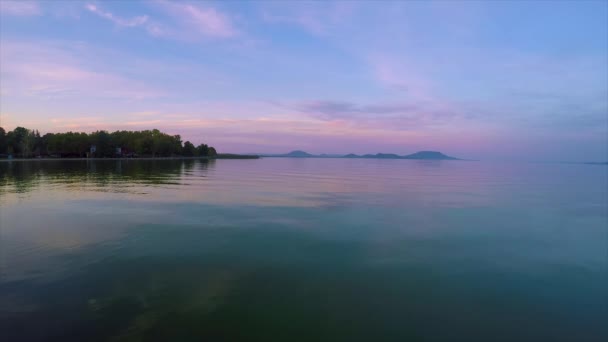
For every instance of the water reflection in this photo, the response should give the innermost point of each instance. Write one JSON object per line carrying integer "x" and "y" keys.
{"x": 262, "y": 283}
{"x": 25, "y": 176}
{"x": 279, "y": 249}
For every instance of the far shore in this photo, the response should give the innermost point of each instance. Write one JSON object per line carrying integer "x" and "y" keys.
{"x": 219, "y": 156}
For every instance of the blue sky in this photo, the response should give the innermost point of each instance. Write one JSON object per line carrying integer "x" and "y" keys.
{"x": 490, "y": 80}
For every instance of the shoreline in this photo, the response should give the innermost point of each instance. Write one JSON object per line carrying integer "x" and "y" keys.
{"x": 219, "y": 156}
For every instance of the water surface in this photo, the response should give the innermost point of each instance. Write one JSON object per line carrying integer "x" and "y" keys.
{"x": 281, "y": 249}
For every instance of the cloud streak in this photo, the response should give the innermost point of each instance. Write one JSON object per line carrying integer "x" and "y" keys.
{"x": 188, "y": 21}
{"x": 54, "y": 71}
{"x": 118, "y": 21}
{"x": 316, "y": 18}
{"x": 389, "y": 116}
{"x": 195, "y": 19}
{"x": 20, "y": 8}
{"x": 347, "y": 110}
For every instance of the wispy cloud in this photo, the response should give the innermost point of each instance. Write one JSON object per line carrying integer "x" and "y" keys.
{"x": 389, "y": 116}
{"x": 118, "y": 21}
{"x": 202, "y": 20}
{"x": 56, "y": 71}
{"x": 396, "y": 72}
{"x": 146, "y": 113}
{"x": 177, "y": 20}
{"x": 317, "y": 18}
{"x": 308, "y": 21}
{"x": 333, "y": 110}
{"x": 20, "y": 8}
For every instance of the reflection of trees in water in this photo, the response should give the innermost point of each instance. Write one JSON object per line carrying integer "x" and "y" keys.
{"x": 23, "y": 176}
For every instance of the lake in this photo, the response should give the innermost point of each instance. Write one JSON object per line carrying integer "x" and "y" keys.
{"x": 282, "y": 249}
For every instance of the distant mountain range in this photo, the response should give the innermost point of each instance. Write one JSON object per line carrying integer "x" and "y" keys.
{"x": 425, "y": 155}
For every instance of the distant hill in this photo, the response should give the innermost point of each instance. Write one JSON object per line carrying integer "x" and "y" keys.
{"x": 292, "y": 154}
{"x": 381, "y": 156}
{"x": 424, "y": 155}
{"x": 298, "y": 154}
{"x": 429, "y": 155}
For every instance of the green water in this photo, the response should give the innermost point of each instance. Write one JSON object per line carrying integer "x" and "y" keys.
{"x": 303, "y": 250}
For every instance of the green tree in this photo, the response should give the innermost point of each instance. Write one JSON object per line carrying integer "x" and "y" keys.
{"x": 176, "y": 142}
{"x": 189, "y": 149}
{"x": 202, "y": 150}
{"x": 19, "y": 141}
{"x": 28, "y": 143}
{"x": 23, "y": 142}
{"x": 38, "y": 143}
{"x": 3, "y": 142}
{"x": 103, "y": 144}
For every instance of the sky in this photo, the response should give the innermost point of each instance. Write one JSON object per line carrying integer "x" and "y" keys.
{"x": 513, "y": 80}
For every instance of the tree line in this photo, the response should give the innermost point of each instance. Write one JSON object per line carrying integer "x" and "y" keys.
{"x": 25, "y": 143}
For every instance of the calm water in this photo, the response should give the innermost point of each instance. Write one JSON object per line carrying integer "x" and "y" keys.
{"x": 303, "y": 249}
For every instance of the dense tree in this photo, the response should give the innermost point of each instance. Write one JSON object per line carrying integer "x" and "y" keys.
{"x": 3, "y": 144}
{"x": 103, "y": 144}
{"x": 18, "y": 141}
{"x": 202, "y": 150}
{"x": 38, "y": 144}
{"x": 189, "y": 149}
{"x": 22, "y": 142}
{"x": 68, "y": 144}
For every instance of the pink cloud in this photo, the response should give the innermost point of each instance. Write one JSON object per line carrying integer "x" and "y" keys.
{"x": 20, "y": 8}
